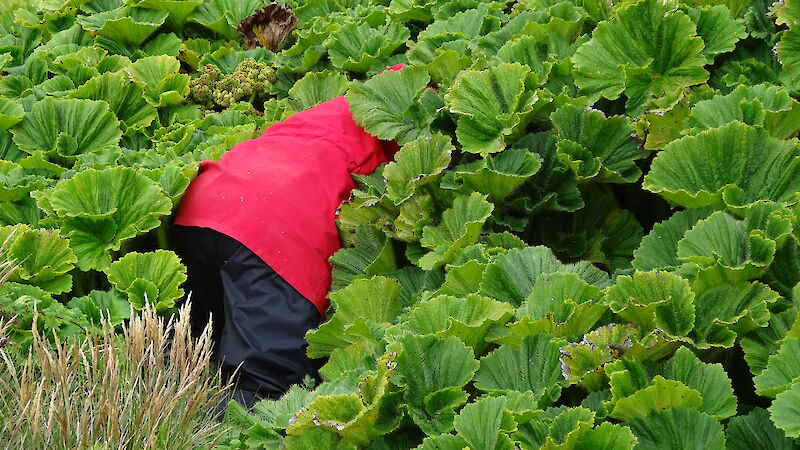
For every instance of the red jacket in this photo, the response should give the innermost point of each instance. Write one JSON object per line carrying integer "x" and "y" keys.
{"x": 278, "y": 194}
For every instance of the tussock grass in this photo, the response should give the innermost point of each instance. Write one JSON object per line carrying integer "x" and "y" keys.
{"x": 112, "y": 390}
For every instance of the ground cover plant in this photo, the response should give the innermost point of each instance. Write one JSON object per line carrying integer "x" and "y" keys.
{"x": 587, "y": 239}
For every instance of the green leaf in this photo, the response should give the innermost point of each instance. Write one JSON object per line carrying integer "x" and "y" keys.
{"x": 127, "y": 25}
{"x": 11, "y": 113}
{"x": 659, "y": 249}
{"x": 785, "y": 411}
{"x": 317, "y": 87}
{"x": 161, "y": 271}
{"x": 493, "y": 107}
{"x": 125, "y": 98}
{"x": 765, "y": 106}
{"x": 606, "y": 436}
{"x": 468, "y": 319}
{"x": 533, "y": 366}
{"x": 511, "y": 276}
{"x": 486, "y": 424}
{"x": 725, "y": 311}
{"x": 164, "y": 86}
{"x": 783, "y": 369}
{"x": 570, "y": 303}
{"x": 101, "y": 306}
{"x": 709, "y": 379}
{"x": 433, "y": 373}
{"x": 358, "y": 47}
{"x": 763, "y": 342}
{"x": 460, "y": 226}
{"x": 677, "y": 429}
{"x": 395, "y": 104}
{"x": 719, "y": 30}
{"x": 738, "y": 249}
{"x": 363, "y": 309}
{"x": 734, "y": 165}
{"x": 43, "y": 258}
{"x": 660, "y": 396}
{"x": 498, "y": 176}
{"x": 98, "y": 210}
{"x": 596, "y": 147}
{"x": 373, "y": 254}
{"x": 417, "y": 163}
{"x": 223, "y": 16}
{"x": 663, "y": 53}
{"x": 65, "y": 128}
{"x": 654, "y": 300}
{"x": 178, "y": 10}
{"x": 756, "y": 430}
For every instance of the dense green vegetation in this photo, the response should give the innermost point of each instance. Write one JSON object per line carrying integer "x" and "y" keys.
{"x": 588, "y": 238}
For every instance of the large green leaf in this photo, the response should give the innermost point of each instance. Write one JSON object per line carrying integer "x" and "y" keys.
{"x": 783, "y": 369}
{"x": 152, "y": 278}
{"x": 764, "y": 106}
{"x": 126, "y": 25}
{"x": 596, "y": 147}
{"x": 418, "y": 162}
{"x": 43, "y": 258}
{"x": 709, "y": 379}
{"x": 510, "y": 277}
{"x": 468, "y": 318}
{"x": 98, "y": 210}
{"x": 125, "y": 98}
{"x": 373, "y": 254}
{"x": 533, "y": 366}
{"x": 760, "y": 344}
{"x": 678, "y": 429}
{"x": 223, "y": 16}
{"x": 735, "y": 164}
{"x": 662, "y": 53}
{"x": 785, "y": 411}
{"x": 65, "y": 128}
{"x": 727, "y": 310}
{"x": 164, "y": 85}
{"x": 433, "y": 373}
{"x": 362, "y": 310}
{"x": 358, "y": 47}
{"x": 498, "y": 176}
{"x": 654, "y": 300}
{"x": 395, "y": 104}
{"x": 486, "y": 424}
{"x": 178, "y": 10}
{"x": 460, "y": 226}
{"x": 11, "y": 113}
{"x": 493, "y": 107}
{"x": 102, "y": 306}
{"x": 317, "y": 87}
{"x": 756, "y": 430}
{"x": 659, "y": 249}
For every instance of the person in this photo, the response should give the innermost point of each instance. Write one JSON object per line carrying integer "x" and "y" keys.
{"x": 255, "y": 231}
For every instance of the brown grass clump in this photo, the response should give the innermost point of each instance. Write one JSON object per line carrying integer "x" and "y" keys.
{"x": 112, "y": 390}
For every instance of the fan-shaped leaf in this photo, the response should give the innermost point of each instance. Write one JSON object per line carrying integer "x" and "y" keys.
{"x": 126, "y": 25}
{"x": 678, "y": 429}
{"x": 597, "y": 148}
{"x": 395, "y": 104}
{"x": 510, "y": 277}
{"x": 433, "y": 372}
{"x": 358, "y": 47}
{"x": 756, "y": 430}
{"x": 662, "y": 53}
{"x": 65, "y": 128}
{"x": 160, "y": 270}
{"x": 533, "y": 366}
{"x": 493, "y": 106}
{"x": 785, "y": 411}
{"x": 418, "y": 162}
{"x": 98, "y": 210}
{"x": 735, "y": 164}
{"x": 43, "y": 258}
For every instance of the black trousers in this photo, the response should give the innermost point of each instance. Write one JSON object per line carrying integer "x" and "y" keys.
{"x": 259, "y": 320}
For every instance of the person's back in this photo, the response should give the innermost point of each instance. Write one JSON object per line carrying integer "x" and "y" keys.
{"x": 256, "y": 229}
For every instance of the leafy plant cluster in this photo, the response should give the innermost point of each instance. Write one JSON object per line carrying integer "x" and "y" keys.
{"x": 586, "y": 240}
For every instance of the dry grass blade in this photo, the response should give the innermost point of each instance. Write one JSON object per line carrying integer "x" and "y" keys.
{"x": 110, "y": 390}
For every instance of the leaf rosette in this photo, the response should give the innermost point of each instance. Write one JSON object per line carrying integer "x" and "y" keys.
{"x": 734, "y": 165}
{"x": 98, "y": 210}
{"x": 59, "y": 128}
{"x": 152, "y": 278}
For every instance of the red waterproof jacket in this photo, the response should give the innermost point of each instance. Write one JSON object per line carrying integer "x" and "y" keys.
{"x": 278, "y": 194}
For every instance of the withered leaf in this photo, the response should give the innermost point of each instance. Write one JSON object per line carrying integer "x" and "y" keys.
{"x": 268, "y": 27}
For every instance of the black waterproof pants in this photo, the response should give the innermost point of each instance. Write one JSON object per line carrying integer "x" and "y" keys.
{"x": 259, "y": 320}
